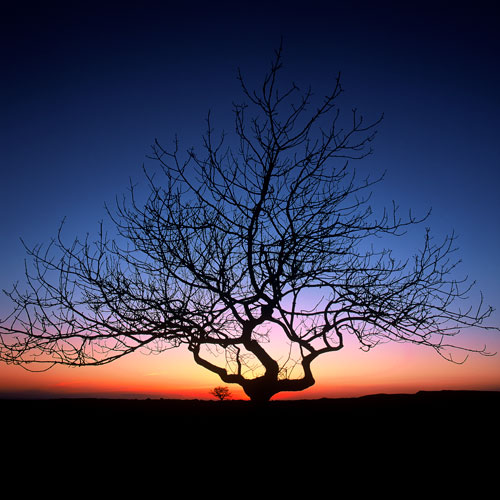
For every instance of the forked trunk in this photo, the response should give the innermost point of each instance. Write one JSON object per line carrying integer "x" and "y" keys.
{"x": 262, "y": 389}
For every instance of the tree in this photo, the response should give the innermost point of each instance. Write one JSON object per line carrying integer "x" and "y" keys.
{"x": 221, "y": 393}
{"x": 244, "y": 250}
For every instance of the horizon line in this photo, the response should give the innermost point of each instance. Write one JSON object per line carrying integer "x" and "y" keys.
{"x": 48, "y": 395}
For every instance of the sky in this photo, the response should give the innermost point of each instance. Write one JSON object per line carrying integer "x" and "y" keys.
{"x": 87, "y": 87}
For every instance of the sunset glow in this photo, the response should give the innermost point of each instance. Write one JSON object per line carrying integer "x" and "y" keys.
{"x": 87, "y": 92}
{"x": 348, "y": 373}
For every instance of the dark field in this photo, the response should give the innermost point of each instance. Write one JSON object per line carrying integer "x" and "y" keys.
{"x": 466, "y": 412}
{"x": 434, "y": 431}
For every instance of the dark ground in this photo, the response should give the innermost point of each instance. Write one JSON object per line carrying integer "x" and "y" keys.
{"x": 432, "y": 442}
{"x": 437, "y": 413}
{"x": 449, "y": 436}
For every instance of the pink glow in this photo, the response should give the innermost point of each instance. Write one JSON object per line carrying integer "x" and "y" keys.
{"x": 348, "y": 373}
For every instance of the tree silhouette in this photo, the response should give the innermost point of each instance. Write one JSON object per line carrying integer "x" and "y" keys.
{"x": 221, "y": 393}
{"x": 258, "y": 256}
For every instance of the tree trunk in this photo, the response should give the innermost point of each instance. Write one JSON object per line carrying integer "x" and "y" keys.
{"x": 262, "y": 389}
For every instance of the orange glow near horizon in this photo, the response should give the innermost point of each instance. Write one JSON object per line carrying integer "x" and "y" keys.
{"x": 390, "y": 368}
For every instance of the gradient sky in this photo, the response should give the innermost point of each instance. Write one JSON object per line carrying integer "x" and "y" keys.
{"x": 87, "y": 88}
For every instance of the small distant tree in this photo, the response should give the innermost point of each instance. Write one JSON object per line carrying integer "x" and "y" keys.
{"x": 221, "y": 393}
{"x": 258, "y": 255}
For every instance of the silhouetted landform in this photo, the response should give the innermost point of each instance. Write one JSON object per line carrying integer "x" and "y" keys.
{"x": 440, "y": 408}
{"x": 450, "y": 428}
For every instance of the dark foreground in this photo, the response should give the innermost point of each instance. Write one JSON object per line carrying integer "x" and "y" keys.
{"x": 433, "y": 412}
{"x": 395, "y": 443}
{"x": 451, "y": 429}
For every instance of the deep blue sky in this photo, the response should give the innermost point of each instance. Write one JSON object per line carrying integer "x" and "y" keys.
{"x": 86, "y": 89}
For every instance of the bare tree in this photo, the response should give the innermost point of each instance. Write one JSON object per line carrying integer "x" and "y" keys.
{"x": 258, "y": 255}
{"x": 221, "y": 393}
